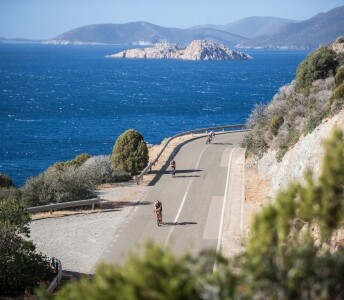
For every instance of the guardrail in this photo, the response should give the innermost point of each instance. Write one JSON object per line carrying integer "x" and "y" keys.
{"x": 217, "y": 129}
{"x": 55, "y": 206}
{"x": 58, "y": 271}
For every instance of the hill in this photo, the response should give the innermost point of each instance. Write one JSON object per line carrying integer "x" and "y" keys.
{"x": 251, "y": 27}
{"x": 142, "y": 33}
{"x": 319, "y": 30}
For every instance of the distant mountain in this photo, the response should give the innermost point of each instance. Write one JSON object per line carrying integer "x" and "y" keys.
{"x": 18, "y": 40}
{"x": 142, "y": 33}
{"x": 318, "y": 30}
{"x": 197, "y": 50}
{"x": 251, "y": 27}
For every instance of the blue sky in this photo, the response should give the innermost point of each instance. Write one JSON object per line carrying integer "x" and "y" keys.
{"x": 43, "y": 19}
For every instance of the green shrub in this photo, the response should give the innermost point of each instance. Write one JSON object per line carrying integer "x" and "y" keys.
{"x": 336, "y": 101}
{"x": 54, "y": 186}
{"x": 5, "y": 181}
{"x": 315, "y": 118}
{"x": 21, "y": 267}
{"x": 130, "y": 153}
{"x": 77, "y": 161}
{"x": 254, "y": 143}
{"x": 276, "y": 123}
{"x": 339, "y": 78}
{"x": 318, "y": 65}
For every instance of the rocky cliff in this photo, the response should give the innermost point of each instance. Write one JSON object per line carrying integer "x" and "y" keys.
{"x": 196, "y": 50}
{"x": 307, "y": 153}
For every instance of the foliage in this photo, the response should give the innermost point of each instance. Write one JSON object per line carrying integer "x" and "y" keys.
{"x": 158, "y": 274}
{"x": 21, "y": 268}
{"x": 77, "y": 161}
{"x": 319, "y": 64}
{"x": 55, "y": 186}
{"x": 98, "y": 170}
{"x": 276, "y": 123}
{"x": 13, "y": 214}
{"x": 5, "y": 181}
{"x": 339, "y": 78}
{"x": 130, "y": 153}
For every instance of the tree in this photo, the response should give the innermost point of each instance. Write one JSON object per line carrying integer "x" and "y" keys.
{"x": 5, "y": 181}
{"x": 130, "y": 153}
{"x": 21, "y": 267}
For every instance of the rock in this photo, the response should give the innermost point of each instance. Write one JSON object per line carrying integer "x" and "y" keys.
{"x": 307, "y": 153}
{"x": 197, "y": 50}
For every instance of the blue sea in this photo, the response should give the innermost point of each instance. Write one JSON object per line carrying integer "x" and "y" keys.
{"x": 60, "y": 101}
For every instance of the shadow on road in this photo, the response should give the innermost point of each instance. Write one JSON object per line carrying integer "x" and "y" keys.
{"x": 118, "y": 205}
{"x": 178, "y": 223}
{"x": 221, "y": 143}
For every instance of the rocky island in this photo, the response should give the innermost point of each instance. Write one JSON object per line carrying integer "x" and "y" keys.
{"x": 196, "y": 50}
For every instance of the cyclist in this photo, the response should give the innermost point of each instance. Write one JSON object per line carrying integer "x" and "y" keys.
{"x": 173, "y": 167}
{"x": 158, "y": 211}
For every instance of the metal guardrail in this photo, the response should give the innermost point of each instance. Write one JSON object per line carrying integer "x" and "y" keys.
{"x": 58, "y": 271}
{"x": 55, "y": 206}
{"x": 217, "y": 129}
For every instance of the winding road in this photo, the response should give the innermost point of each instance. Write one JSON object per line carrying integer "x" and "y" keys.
{"x": 202, "y": 205}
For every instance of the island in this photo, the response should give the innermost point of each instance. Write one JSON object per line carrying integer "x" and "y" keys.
{"x": 196, "y": 50}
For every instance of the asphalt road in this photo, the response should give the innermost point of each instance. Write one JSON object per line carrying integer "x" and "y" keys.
{"x": 193, "y": 202}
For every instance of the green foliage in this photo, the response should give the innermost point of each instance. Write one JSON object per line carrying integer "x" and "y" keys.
{"x": 339, "y": 78}
{"x": 319, "y": 64}
{"x": 336, "y": 101}
{"x": 54, "y": 186}
{"x": 254, "y": 143}
{"x": 77, "y": 161}
{"x": 21, "y": 268}
{"x": 5, "y": 181}
{"x": 276, "y": 123}
{"x": 158, "y": 274}
{"x": 14, "y": 215}
{"x": 130, "y": 153}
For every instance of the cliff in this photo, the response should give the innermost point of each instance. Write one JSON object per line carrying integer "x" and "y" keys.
{"x": 196, "y": 50}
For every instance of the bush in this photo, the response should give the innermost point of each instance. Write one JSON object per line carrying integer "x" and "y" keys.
{"x": 54, "y": 186}
{"x": 98, "y": 170}
{"x": 339, "y": 78}
{"x": 317, "y": 65}
{"x": 130, "y": 153}
{"x": 5, "y": 181}
{"x": 77, "y": 161}
{"x": 275, "y": 124}
{"x": 21, "y": 268}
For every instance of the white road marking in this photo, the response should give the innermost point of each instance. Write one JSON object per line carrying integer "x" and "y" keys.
{"x": 219, "y": 240}
{"x": 184, "y": 198}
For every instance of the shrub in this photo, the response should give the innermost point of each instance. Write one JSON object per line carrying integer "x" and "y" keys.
{"x": 5, "y": 181}
{"x": 130, "y": 153}
{"x": 55, "y": 186}
{"x": 77, "y": 161}
{"x": 339, "y": 78}
{"x": 336, "y": 101}
{"x": 98, "y": 170}
{"x": 319, "y": 64}
{"x": 275, "y": 124}
{"x": 21, "y": 268}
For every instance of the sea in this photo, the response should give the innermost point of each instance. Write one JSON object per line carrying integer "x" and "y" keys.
{"x": 60, "y": 101}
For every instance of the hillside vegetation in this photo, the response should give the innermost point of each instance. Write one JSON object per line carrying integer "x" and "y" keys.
{"x": 316, "y": 93}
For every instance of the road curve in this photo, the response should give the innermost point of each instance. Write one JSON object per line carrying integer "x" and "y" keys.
{"x": 202, "y": 204}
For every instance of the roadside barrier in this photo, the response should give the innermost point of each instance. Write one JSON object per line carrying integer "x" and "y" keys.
{"x": 56, "y": 206}
{"x": 56, "y": 263}
{"x": 217, "y": 130}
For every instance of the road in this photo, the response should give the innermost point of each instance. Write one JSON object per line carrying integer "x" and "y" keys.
{"x": 202, "y": 204}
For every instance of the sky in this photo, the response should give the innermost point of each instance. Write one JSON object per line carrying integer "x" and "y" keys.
{"x": 44, "y": 19}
